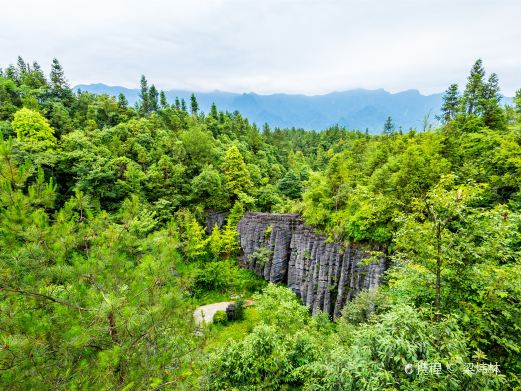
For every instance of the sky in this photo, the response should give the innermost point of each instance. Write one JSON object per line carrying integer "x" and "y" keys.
{"x": 292, "y": 46}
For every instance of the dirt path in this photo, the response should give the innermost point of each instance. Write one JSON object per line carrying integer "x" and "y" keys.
{"x": 206, "y": 312}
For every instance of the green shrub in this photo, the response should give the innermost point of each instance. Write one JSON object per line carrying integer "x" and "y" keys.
{"x": 262, "y": 256}
{"x": 212, "y": 276}
{"x": 222, "y": 276}
{"x": 220, "y": 317}
{"x": 268, "y": 231}
{"x": 367, "y": 304}
{"x": 264, "y": 359}
{"x": 235, "y": 311}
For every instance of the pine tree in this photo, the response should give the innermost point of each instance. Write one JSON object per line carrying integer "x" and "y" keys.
{"x": 57, "y": 77}
{"x": 229, "y": 237}
{"x": 388, "y": 126}
{"x": 37, "y": 76}
{"x": 10, "y": 73}
{"x": 122, "y": 101}
{"x": 144, "y": 97}
{"x": 177, "y": 103}
{"x": 236, "y": 174}
{"x": 213, "y": 120}
{"x": 194, "y": 106}
{"x": 266, "y": 131}
{"x": 474, "y": 88}
{"x": 162, "y": 100}
{"x": 153, "y": 97}
{"x": 215, "y": 242}
{"x": 213, "y": 112}
{"x": 59, "y": 85}
{"x": 23, "y": 68}
{"x": 451, "y": 102}
{"x": 517, "y": 101}
{"x": 183, "y": 105}
{"x": 491, "y": 89}
{"x": 489, "y": 104}
{"x": 290, "y": 185}
{"x": 37, "y": 67}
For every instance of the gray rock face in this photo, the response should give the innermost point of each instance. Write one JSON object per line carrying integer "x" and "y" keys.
{"x": 280, "y": 248}
{"x": 215, "y": 218}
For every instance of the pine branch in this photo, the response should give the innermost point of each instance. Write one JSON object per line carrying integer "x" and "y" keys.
{"x": 43, "y": 296}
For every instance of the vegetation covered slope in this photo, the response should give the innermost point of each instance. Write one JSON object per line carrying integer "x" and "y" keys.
{"x": 103, "y": 254}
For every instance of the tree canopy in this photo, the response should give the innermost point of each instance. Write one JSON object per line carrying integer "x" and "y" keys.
{"x": 105, "y": 255}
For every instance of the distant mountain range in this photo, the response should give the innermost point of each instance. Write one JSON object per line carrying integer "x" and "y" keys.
{"x": 355, "y": 109}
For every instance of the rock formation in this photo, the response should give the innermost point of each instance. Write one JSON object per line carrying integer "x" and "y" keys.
{"x": 324, "y": 275}
{"x": 214, "y": 218}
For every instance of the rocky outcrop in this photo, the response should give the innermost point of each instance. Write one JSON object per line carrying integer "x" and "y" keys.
{"x": 324, "y": 275}
{"x": 214, "y": 218}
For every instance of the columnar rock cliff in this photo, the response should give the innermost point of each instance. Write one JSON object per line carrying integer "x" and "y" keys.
{"x": 325, "y": 276}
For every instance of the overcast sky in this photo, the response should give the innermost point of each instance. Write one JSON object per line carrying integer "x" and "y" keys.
{"x": 293, "y": 46}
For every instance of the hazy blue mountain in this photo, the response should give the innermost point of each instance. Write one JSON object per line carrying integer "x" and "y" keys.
{"x": 354, "y": 109}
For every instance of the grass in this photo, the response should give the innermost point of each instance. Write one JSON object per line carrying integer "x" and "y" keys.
{"x": 210, "y": 297}
{"x": 216, "y": 281}
{"x": 219, "y": 335}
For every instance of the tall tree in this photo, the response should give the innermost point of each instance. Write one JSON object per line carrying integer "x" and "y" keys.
{"x": 236, "y": 174}
{"x": 451, "y": 102}
{"x": 213, "y": 112}
{"x": 37, "y": 67}
{"x": 59, "y": 83}
{"x": 490, "y": 104}
{"x": 429, "y": 236}
{"x": 23, "y": 68}
{"x": 194, "y": 106}
{"x": 153, "y": 97}
{"x": 474, "y": 88}
{"x": 517, "y": 101}
{"x": 290, "y": 185}
{"x": 11, "y": 73}
{"x": 144, "y": 105}
{"x": 122, "y": 101}
{"x": 37, "y": 78}
{"x": 388, "y": 126}
{"x": 162, "y": 100}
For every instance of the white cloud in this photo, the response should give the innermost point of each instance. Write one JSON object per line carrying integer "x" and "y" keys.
{"x": 269, "y": 46}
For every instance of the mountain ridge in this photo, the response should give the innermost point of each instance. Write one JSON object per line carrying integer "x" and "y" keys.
{"x": 355, "y": 109}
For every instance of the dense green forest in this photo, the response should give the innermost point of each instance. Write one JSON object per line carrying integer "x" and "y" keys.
{"x": 104, "y": 254}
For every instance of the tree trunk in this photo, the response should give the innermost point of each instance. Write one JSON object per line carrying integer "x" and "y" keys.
{"x": 112, "y": 328}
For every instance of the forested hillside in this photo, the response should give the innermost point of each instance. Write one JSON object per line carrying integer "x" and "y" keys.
{"x": 104, "y": 254}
